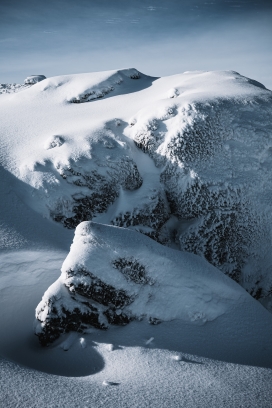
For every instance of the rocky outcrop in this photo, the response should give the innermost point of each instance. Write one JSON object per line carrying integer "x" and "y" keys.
{"x": 211, "y": 155}
{"x": 113, "y": 276}
{"x": 13, "y": 88}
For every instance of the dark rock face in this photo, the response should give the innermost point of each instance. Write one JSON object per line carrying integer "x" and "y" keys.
{"x": 96, "y": 94}
{"x": 152, "y": 215}
{"x": 222, "y": 226}
{"x": 66, "y": 321}
{"x": 84, "y": 208}
{"x": 103, "y": 191}
{"x": 97, "y": 304}
{"x": 218, "y": 216}
{"x": 132, "y": 270}
{"x": 93, "y": 288}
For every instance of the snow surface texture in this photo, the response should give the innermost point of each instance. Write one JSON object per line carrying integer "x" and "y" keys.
{"x": 183, "y": 159}
{"x": 113, "y": 276}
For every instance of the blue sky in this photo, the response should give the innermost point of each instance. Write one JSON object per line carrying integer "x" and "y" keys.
{"x": 156, "y": 37}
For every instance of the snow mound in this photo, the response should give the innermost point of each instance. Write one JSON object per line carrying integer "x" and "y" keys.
{"x": 90, "y": 86}
{"x": 33, "y": 79}
{"x": 113, "y": 275}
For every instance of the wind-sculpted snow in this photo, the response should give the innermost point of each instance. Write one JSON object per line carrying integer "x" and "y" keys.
{"x": 99, "y": 90}
{"x": 113, "y": 276}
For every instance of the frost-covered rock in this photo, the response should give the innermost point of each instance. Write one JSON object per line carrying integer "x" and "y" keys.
{"x": 113, "y": 275}
{"x": 214, "y": 156}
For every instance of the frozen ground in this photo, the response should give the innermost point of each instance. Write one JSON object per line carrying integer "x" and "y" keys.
{"x": 225, "y": 362}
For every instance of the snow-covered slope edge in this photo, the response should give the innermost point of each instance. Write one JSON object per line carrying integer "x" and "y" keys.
{"x": 113, "y": 275}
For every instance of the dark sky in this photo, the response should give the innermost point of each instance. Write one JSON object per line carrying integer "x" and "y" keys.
{"x": 54, "y": 37}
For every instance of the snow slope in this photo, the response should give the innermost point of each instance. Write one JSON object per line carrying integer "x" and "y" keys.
{"x": 121, "y": 148}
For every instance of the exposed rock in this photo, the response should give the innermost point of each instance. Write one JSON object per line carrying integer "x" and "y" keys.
{"x": 209, "y": 154}
{"x": 113, "y": 276}
{"x": 132, "y": 270}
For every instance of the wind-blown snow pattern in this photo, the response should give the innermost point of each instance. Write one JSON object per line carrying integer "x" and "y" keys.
{"x": 165, "y": 185}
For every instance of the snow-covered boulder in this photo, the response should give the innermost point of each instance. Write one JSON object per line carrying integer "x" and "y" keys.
{"x": 33, "y": 79}
{"x": 113, "y": 275}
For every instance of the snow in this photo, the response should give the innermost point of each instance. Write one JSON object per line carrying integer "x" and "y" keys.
{"x": 33, "y": 79}
{"x": 213, "y": 347}
{"x": 178, "y": 286}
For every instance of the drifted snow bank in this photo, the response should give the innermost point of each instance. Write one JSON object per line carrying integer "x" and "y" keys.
{"x": 113, "y": 275}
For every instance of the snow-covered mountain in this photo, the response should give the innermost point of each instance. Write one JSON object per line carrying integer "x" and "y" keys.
{"x": 164, "y": 187}
{"x": 184, "y": 159}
